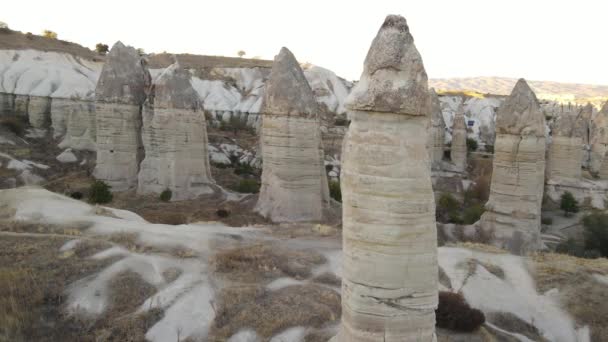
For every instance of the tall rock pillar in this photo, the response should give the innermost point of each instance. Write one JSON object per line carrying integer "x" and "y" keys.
{"x": 565, "y": 153}
{"x": 599, "y": 144}
{"x": 294, "y": 183}
{"x": 459, "y": 140}
{"x": 389, "y": 281}
{"x": 436, "y": 136}
{"x": 516, "y": 192}
{"x": 119, "y": 96}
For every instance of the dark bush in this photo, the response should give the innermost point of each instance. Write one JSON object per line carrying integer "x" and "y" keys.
{"x": 490, "y": 148}
{"x": 472, "y": 145}
{"x": 15, "y": 124}
{"x": 249, "y": 186}
{"x": 223, "y": 213}
{"x": 335, "y": 191}
{"x": 243, "y": 169}
{"x": 166, "y": 195}
{"x": 473, "y": 214}
{"x": 101, "y": 49}
{"x": 546, "y": 220}
{"x": 596, "y": 234}
{"x": 76, "y": 195}
{"x": 341, "y": 122}
{"x": 568, "y": 204}
{"x": 100, "y": 192}
{"x": 454, "y": 313}
{"x": 447, "y": 209}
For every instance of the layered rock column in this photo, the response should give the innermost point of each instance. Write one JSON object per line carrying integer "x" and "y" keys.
{"x": 459, "y": 140}
{"x": 80, "y": 124}
{"x": 389, "y": 280}
{"x": 294, "y": 183}
{"x": 119, "y": 95}
{"x": 436, "y": 136}
{"x": 39, "y": 111}
{"x": 7, "y": 104}
{"x": 599, "y": 144}
{"x": 565, "y": 152}
{"x": 514, "y": 207}
{"x": 20, "y": 105}
{"x": 175, "y": 139}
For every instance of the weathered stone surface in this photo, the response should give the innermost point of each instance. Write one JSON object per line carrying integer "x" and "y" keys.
{"x": 436, "y": 136}
{"x": 394, "y": 79}
{"x": 120, "y": 93}
{"x": 21, "y": 103}
{"x": 7, "y": 104}
{"x": 565, "y": 153}
{"x": 513, "y": 209}
{"x": 39, "y": 111}
{"x": 599, "y": 144}
{"x": 459, "y": 140}
{"x": 389, "y": 281}
{"x": 175, "y": 139}
{"x": 60, "y": 109}
{"x": 81, "y": 132}
{"x": 294, "y": 183}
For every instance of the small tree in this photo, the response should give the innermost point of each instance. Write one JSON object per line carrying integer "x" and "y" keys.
{"x": 4, "y": 27}
{"x": 49, "y": 34}
{"x": 568, "y": 203}
{"x": 241, "y": 53}
{"x": 596, "y": 234}
{"x": 100, "y": 192}
{"x": 471, "y": 145}
{"x": 166, "y": 195}
{"x": 102, "y": 49}
{"x": 334, "y": 190}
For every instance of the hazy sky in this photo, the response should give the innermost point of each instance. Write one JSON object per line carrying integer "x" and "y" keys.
{"x": 536, "y": 39}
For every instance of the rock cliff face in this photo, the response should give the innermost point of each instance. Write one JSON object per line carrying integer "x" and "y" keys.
{"x": 120, "y": 93}
{"x": 565, "y": 153}
{"x": 513, "y": 209}
{"x": 80, "y": 124}
{"x": 436, "y": 136}
{"x": 39, "y": 111}
{"x": 175, "y": 139}
{"x": 459, "y": 141}
{"x": 599, "y": 143}
{"x": 389, "y": 283}
{"x": 294, "y": 183}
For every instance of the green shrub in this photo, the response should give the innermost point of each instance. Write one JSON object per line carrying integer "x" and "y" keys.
{"x": 454, "y": 313}
{"x": 243, "y": 169}
{"x": 100, "y": 192}
{"x": 102, "y": 49}
{"x": 596, "y": 234}
{"x": 335, "y": 191}
{"x": 447, "y": 209}
{"x": 15, "y": 124}
{"x": 568, "y": 203}
{"x": 471, "y": 145}
{"x": 249, "y": 186}
{"x": 166, "y": 195}
{"x": 76, "y": 195}
{"x": 473, "y": 214}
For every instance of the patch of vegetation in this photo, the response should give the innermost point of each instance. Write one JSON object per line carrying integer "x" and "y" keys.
{"x": 447, "y": 209}
{"x": 236, "y": 124}
{"x": 99, "y": 192}
{"x": 568, "y": 204}
{"x": 248, "y": 186}
{"x": 76, "y": 195}
{"x": 489, "y": 148}
{"x": 223, "y": 213}
{"x": 49, "y": 34}
{"x": 473, "y": 214}
{"x": 242, "y": 169}
{"x": 335, "y": 191}
{"x": 596, "y": 233}
{"x": 454, "y": 313}
{"x": 472, "y": 145}
{"x": 17, "y": 125}
{"x": 166, "y": 195}
{"x": 102, "y": 49}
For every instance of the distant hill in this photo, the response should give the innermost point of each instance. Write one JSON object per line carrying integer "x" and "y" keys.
{"x": 562, "y": 92}
{"x": 16, "y": 40}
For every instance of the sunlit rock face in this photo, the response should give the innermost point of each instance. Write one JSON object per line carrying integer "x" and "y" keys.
{"x": 565, "y": 153}
{"x": 294, "y": 184}
{"x": 599, "y": 144}
{"x": 175, "y": 139}
{"x": 119, "y": 95}
{"x": 39, "y": 111}
{"x": 513, "y": 209}
{"x": 459, "y": 141}
{"x": 389, "y": 282}
{"x": 436, "y": 135}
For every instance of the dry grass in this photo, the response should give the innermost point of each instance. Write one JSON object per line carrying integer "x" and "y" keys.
{"x": 265, "y": 261}
{"x": 270, "y": 312}
{"x": 70, "y": 229}
{"x": 479, "y": 247}
{"x": 15, "y": 40}
{"x": 128, "y": 291}
{"x": 551, "y": 269}
{"x": 189, "y": 61}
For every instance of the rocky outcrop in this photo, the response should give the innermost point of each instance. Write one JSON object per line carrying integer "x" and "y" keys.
{"x": 436, "y": 136}
{"x": 7, "y": 104}
{"x": 513, "y": 209}
{"x": 389, "y": 280}
{"x": 39, "y": 111}
{"x": 565, "y": 153}
{"x": 459, "y": 141}
{"x": 119, "y": 95}
{"x": 80, "y": 121}
{"x": 598, "y": 164}
{"x": 174, "y": 138}
{"x": 20, "y": 105}
{"x": 294, "y": 184}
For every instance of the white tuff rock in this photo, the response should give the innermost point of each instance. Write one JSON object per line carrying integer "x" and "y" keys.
{"x": 459, "y": 141}
{"x": 389, "y": 282}
{"x": 436, "y": 136}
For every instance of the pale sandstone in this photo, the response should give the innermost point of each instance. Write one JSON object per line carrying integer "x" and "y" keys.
{"x": 459, "y": 140}
{"x": 436, "y": 136}
{"x": 599, "y": 144}
{"x": 389, "y": 281}
{"x": 565, "y": 153}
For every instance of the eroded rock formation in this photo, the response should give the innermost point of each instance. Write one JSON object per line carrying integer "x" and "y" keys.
{"x": 459, "y": 140}
{"x": 436, "y": 136}
{"x": 389, "y": 281}
{"x": 513, "y": 209}
{"x": 39, "y": 111}
{"x": 175, "y": 139}
{"x": 565, "y": 153}
{"x": 80, "y": 124}
{"x": 119, "y": 95}
{"x": 598, "y": 164}
{"x": 294, "y": 183}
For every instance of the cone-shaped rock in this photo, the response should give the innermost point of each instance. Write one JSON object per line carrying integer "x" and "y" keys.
{"x": 389, "y": 280}
{"x": 513, "y": 209}
{"x": 175, "y": 139}
{"x": 599, "y": 143}
{"x": 459, "y": 140}
{"x": 436, "y": 136}
{"x": 120, "y": 93}
{"x": 294, "y": 184}
{"x": 565, "y": 152}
